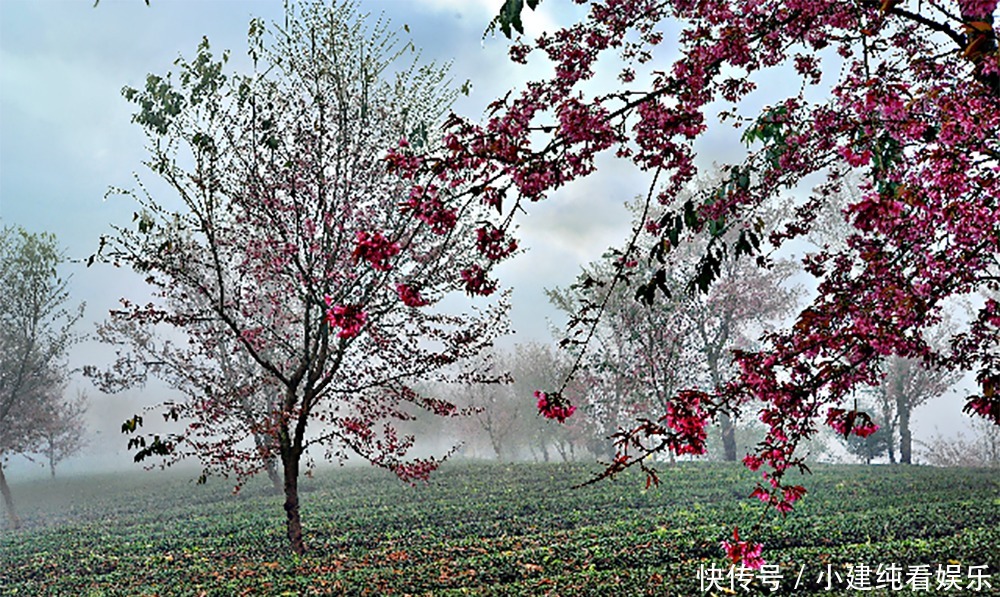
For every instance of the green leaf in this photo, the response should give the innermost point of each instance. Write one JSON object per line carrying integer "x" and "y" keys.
{"x": 690, "y": 216}
{"x": 509, "y": 17}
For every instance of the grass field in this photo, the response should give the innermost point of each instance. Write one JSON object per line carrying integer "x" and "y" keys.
{"x": 495, "y": 529}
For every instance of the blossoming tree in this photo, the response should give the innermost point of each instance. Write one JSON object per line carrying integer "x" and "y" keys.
{"x": 908, "y": 99}
{"x": 283, "y": 243}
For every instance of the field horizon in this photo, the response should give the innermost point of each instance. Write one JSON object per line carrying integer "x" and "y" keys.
{"x": 492, "y": 528}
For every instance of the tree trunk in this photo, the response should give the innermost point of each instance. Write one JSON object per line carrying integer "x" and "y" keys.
{"x": 892, "y": 446}
{"x": 497, "y": 447}
{"x": 561, "y": 448}
{"x": 8, "y": 501}
{"x": 905, "y": 438}
{"x": 728, "y": 437}
{"x": 291, "y": 466}
{"x": 271, "y": 466}
{"x": 728, "y": 429}
{"x": 52, "y": 460}
{"x": 889, "y": 422}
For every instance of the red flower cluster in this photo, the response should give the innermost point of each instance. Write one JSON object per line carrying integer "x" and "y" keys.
{"x": 686, "y": 417}
{"x": 490, "y": 242}
{"x": 743, "y": 553}
{"x": 375, "y": 249}
{"x": 416, "y": 470}
{"x": 476, "y": 281}
{"x": 429, "y": 208}
{"x": 402, "y": 162}
{"x": 847, "y": 422}
{"x": 984, "y": 407}
{"x": 784, "y": 504}
{"x": 552, "y": 407}
{"x": 349, "y": 318}
{"x": 410, "y": 296}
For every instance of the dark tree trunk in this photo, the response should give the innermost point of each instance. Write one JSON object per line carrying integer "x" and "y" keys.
{"x": 905, "y": 437}
{"x": 728, "y": 437}
{"x": 8, "y": 501}
{"x": 291, "y": 466}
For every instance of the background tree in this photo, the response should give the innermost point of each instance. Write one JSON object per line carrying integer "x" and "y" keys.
{"x": 35, "y": 334}
{"x": 981, "y": 448}
{"x": 634, "y": 357}
{"x": 289, "y": 246}
{"x": 908, "y": 384}
{"x": 63, "y": 429}
{"x": 537, "y": 365}
{"x": 640, "y": 355}
{"x": 871, "y": 446}
{"x": 506, "y": 424}
{"x": 493, "y": 412}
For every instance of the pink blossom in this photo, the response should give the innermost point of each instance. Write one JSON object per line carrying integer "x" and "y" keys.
{"x": 410, "y": 295}
{"x": 685, "y": 416}
{"x": 430, "y": 209}
{"x": 987, "y": 407}
{"x": 490, "y": 242}
{"x": 554, "y": 407}
{"x": 476, "y": 281}
{"x": 402, "y": 162}
{"x": 349, "y": 318}
{"x": 375, "y": 249}
{"x": 865, "y": 430}
{"x": 741, "y": 553}
{"x": 846, "y": 422}
{"x": 977, "y": 8}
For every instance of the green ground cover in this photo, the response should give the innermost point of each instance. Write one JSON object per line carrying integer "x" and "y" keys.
{"x": 493, "y": 529}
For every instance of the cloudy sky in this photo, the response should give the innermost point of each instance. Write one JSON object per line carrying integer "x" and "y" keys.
{"x": 66, "y": 137}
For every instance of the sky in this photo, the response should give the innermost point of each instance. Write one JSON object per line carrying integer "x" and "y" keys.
{"x": 66, "y": 138}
